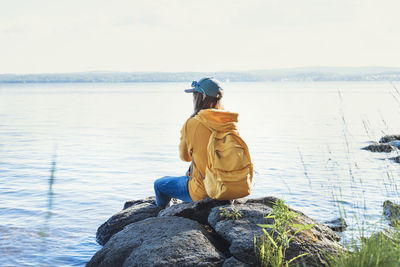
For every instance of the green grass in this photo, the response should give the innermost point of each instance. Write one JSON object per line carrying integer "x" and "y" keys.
{"x": 271, "y": 248}
{"x": 381, "y": 249}
{"x": 377, "y": 250}
{"x": 226, "y": 214}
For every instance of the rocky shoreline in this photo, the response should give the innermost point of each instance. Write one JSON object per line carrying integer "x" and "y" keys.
{"x": 197, "y": 234}
{"x": 387, "y": 144}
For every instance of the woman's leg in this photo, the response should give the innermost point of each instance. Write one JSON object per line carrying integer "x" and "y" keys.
{"x": 171, "y": 187}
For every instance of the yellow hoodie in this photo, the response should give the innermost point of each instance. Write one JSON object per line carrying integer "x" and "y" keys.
{"x": 194, "y": 141}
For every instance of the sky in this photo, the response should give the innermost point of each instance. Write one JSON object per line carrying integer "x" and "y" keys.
{"x": 50, "y": 36}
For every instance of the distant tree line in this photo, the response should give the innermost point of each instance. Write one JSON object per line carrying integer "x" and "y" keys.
{"x": 296, "y": 74}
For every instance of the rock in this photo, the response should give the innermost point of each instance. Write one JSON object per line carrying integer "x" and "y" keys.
{"x": 174, "y": 201}
{"x": 389, "y": 138}
{"x": 197, "y": 211}
{"x": 395, "y": 143}
{"x": 130, "y": 203}
{"x": 387, "y": 143}
{"x": 240, "y": 233}
{"x": 151, "y": 200}
{"x": 391, "y": 211}
{"x": 337, "y": 225}
{"x": 142, "y": 235}
{"x": 391, "y": 234}
{"x": 161, "y": 241}
{"x": 134, "y": 211}
{"x": 395, "y": 159}
{"x": 233, "y": 262}
{"x": 269, "y": 201}
{"x": 379, "y": 147}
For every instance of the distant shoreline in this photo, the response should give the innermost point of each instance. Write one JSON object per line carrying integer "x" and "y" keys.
{"x": 312, "y": 74}
{"x": 127, "y": 82}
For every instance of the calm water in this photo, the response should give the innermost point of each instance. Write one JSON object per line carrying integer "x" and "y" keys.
{"x": 72, "y": 154}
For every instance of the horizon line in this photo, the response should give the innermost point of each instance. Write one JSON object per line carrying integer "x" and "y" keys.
{"x": 215, "y": 71}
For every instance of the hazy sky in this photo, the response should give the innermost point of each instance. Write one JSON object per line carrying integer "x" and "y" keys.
{"x": 185, "y": 35}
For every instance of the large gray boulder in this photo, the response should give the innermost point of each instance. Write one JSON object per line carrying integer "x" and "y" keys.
{"x": 165, "y": 241}
{"x": 240, "y": 233}
{"x": 134, "y": 211}
{"x": 195, "y": 234}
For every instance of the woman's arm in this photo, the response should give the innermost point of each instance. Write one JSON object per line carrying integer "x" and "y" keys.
{"x": 183, "y": 146}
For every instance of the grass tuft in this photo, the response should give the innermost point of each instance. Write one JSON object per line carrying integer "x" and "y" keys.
{"x": 378, "y": 250}
{"x": 271, "y": 248}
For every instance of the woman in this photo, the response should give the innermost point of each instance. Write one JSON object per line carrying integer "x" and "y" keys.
{"x": 195, "y": 134}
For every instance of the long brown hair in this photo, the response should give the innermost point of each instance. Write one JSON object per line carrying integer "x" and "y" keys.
{"x": 200, "y": 102}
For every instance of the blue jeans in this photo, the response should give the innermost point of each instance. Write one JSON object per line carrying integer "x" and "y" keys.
{"x": 171, "y": 187}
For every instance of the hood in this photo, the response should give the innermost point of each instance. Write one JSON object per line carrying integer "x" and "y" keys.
{"x": 218, "y": 120}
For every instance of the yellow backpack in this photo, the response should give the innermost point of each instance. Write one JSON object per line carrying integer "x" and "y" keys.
{"x": 229, "y": 170}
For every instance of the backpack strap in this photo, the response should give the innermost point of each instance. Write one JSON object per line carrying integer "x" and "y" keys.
{"x": 194, "y": 164}
{"x": 212, "y": 131}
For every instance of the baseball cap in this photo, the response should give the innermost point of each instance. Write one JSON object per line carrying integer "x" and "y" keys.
{"x": 208, "y": 86}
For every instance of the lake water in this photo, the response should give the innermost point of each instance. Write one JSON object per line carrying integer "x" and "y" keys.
{"x": 72, "y": 154}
